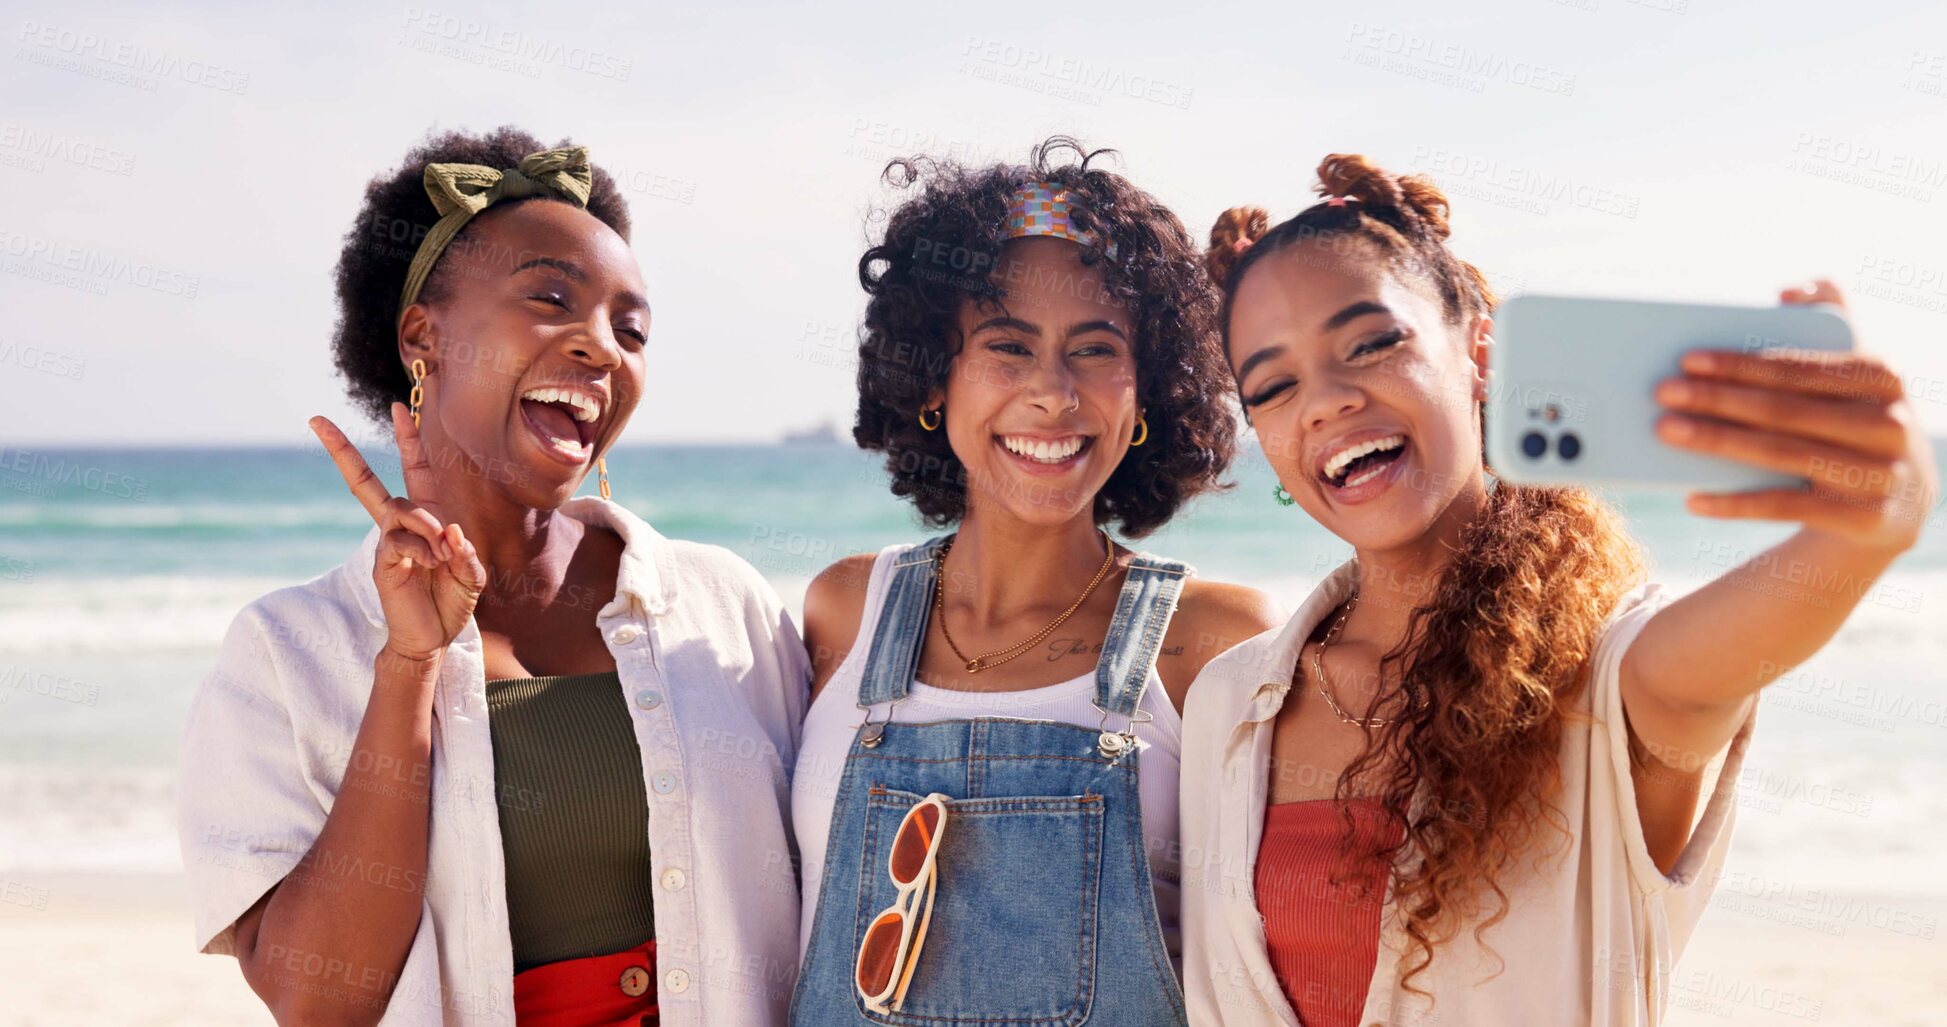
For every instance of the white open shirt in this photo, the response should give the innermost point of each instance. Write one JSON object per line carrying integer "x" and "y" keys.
{"x": 716, "y": 680}
{"x": 1591, "y": 937}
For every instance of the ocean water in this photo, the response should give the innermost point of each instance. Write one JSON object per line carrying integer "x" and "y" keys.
{"x": 120, "y": 569}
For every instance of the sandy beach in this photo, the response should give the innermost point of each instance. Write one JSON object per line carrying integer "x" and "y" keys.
{"x": 112, "y": 949}
{"x": 116, "y": 949}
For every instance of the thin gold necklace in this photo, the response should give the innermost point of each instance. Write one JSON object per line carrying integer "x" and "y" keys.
{"x": 1318, "y": 669}
{"x": 976, "y": 664}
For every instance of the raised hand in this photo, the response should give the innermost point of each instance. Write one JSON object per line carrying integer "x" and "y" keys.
{"x": 428, "y": 574}
{"x": 1840, "y": 420}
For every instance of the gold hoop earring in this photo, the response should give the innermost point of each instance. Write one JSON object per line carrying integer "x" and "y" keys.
{"x": 418, "y": 389}
{"x": 936, "y": 419}
{"x": 1142, "y": 432}
{"x": 601, "y": 469}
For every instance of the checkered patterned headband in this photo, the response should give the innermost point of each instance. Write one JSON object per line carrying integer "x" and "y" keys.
{"x": 1042, "y": 208}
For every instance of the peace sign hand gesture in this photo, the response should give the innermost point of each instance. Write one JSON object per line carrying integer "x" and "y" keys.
{"x": 428, "y": 574}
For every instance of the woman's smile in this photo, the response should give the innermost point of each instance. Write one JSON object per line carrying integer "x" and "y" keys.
{"x": 1045, "y": 455}
{"x": 564, "y": 421}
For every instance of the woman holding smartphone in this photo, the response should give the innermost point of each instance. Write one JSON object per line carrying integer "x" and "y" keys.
{"x": 475, "y": 774}
{"x": 985, "y": 799}
{"x": 1463, "y": 783}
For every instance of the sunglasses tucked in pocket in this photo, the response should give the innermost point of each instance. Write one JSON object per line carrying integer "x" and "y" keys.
{"x": 1012, "y": 926}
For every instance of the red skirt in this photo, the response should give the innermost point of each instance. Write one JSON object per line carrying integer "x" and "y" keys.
{"x": 616, "y": 990}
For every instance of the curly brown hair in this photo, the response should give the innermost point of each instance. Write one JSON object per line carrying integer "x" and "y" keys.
{"x": 1496, "y": 655}
{"x": 379, "y": 249}
{"x": 911, "y": 331}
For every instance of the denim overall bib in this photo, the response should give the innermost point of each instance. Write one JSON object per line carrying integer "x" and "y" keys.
{"x": 1045, "y": 914}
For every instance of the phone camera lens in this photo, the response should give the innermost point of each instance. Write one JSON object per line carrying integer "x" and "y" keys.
{"x": 1534, "y": 444}
{"x": 1568, "y": 446}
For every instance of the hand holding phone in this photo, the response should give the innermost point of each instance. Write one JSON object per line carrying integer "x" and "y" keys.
{"x": 1573, "y": 388}
{"x": 1764, "y": 413}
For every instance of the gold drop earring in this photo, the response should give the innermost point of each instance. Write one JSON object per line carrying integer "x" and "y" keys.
{"x": 601, "y": 469}
{"x": 418, "y": 389}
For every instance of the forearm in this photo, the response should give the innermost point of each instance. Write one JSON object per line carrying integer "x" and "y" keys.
{"x": 1692, "y": 674}
{"x": 1718, "y": 645}
{"x": 335, "y": 933}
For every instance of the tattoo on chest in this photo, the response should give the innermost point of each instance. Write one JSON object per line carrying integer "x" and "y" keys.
{"x": 1063, "y": 647}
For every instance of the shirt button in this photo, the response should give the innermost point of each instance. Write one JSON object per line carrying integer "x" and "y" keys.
{"x": 678, "y": 980}
{"x": 625, "y": 634}
{"x": 648, "y": 699}
{"x": 635, "y": 981}
{"x": 665, "y": 782}
{"x": 673, "y": 879}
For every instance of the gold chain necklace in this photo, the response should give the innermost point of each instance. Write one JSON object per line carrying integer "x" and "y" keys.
{"x": 976, "y": 664}
{"x": 1318, "y": 669}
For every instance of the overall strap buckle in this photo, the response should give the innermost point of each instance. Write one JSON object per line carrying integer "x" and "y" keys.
{"x": 1113, "y": 745}
{"x": 872, "y": 732}
{"x": 1142, "y": 616}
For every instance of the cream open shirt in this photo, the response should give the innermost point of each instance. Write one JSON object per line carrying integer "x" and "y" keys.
{"x": 1589, "y": 939}
{"x": 716, "y": 681}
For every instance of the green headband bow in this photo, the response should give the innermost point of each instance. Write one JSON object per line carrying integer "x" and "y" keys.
{"x": 460, "y": 191}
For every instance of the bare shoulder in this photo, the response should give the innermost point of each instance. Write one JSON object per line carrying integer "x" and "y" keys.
{"x": 1211, "y": 617}
{"x": 834, "y": 603}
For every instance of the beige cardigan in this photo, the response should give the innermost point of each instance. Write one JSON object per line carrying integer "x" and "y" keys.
{"x": 1591, "y": 937}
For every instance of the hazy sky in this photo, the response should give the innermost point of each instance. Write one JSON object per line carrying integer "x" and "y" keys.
{"x": 177, "y": 180}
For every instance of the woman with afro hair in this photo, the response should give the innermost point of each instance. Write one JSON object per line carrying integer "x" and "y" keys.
{"x": 520, "y": 757}
{"x": 985, "y": 798}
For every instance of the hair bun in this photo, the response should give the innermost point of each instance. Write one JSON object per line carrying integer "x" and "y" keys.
{"x": 1236, "y": 229}
{"x": 1416, "y": 203}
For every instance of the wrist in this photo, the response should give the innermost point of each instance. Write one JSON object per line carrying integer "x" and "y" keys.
{"x": 408, "y": 663}
{"x": 1860, "y": 557}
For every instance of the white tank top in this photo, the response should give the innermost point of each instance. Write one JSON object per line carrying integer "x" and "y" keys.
{"x": 833, "y": 723}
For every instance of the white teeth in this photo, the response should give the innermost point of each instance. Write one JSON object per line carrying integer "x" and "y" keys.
{"x": 1042, "y": 451}
{"x": 1351, "y": 453}
{"x": 569, "y": 446}
{"x": 1365, "y": 476}
{"x": 586, "y": 407}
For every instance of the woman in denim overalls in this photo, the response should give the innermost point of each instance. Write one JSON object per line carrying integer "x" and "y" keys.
{"x": 1038, "y": 360}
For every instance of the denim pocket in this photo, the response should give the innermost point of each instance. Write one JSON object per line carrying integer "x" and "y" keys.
{"x": 1013, "y": 932}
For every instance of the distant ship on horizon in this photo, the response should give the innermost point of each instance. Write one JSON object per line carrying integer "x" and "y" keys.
{"x": 823, "y": 434}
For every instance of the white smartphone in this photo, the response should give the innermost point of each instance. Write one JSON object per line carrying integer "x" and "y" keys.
{"x": 1571, "y": 388}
